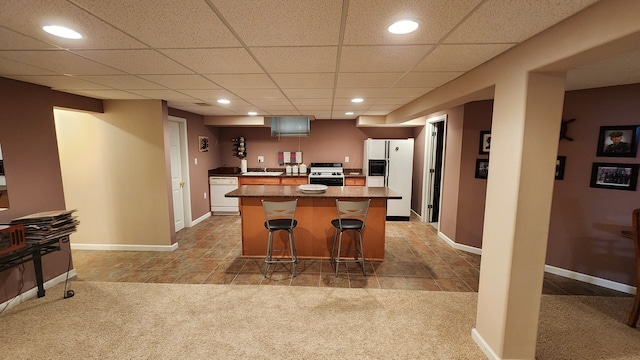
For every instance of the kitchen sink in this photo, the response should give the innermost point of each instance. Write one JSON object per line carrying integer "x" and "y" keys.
{"x": 262, "y": 173}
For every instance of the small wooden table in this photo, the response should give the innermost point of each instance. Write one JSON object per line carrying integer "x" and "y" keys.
{"x": 314, "y": 233}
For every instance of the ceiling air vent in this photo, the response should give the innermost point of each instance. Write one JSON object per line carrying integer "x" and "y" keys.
{"x": 290, "y": 126}
{"x": 203, "y": 104}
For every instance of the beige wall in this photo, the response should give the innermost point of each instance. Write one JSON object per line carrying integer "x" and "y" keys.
{"x": 113, "y": 170}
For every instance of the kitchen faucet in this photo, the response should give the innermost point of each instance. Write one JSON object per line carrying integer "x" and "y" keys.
{"x": 265, "y": 169}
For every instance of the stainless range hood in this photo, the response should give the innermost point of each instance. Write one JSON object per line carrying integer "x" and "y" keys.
{"x": 290, "y": 126}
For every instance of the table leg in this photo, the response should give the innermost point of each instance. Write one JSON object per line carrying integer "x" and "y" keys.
{"x": 37, "y": 266}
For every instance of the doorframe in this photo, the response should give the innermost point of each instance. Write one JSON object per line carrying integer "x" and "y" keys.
{"x": 429, "y": 158}
{"x": 184, "y": 160}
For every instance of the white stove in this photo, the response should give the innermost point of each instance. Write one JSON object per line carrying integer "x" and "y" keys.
{"x": 330, "y": 174}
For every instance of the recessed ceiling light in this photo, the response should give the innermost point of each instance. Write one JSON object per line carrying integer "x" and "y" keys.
{"x": 224, "y": 101}
{"x": 403, "y": 27}
{"x": 357, "y": 100}
{"x": 253, "y": 113}
{"x": 349, "y": 113}
{"x": 61, "y": 31}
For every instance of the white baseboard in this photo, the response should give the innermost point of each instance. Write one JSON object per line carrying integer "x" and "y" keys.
{"x": 124, "y": 247}
{"x": 200, "y": 219}
{"x": 554, "y": 270}
{"x": 486, "y": 349}
{"x": 33, "y": 292}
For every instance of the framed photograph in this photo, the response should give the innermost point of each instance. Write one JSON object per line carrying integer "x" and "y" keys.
{"x": 560, "y": 167}
{"x": 618, "y": 141}
{"x": 485, "y": 142}
{"x": 614, "y": 176}
{"x": 482, "y": 168}
{"x": 203, "y": 143}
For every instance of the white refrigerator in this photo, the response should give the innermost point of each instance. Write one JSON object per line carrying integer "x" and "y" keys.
{"x": 389, "y": 163}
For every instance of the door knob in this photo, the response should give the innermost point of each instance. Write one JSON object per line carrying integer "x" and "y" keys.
{"x": 181, "y": 183}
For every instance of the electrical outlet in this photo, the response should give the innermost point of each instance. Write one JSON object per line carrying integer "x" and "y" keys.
{"x": 205, "y": 195}
{"x": 195, "y": 161}
{"x": 260, "y": 159}
{"x": 346, "y": 159}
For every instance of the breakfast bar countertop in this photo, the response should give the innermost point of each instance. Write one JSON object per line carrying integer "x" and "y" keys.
{"x": 333, "y": 192}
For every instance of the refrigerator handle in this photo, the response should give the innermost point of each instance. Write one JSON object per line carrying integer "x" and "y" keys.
{"x": 387, "y": 155}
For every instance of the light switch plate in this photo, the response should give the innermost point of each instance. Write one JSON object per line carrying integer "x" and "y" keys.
{"x": 346, "y": 159}
{"x": 260, "y": 159}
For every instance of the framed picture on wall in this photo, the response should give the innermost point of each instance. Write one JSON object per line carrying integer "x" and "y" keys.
{"x": 203, "y": 143}
{"x": 618, "y": 141}
{"x": 560, "y": 167}
{"x": 482, "y": 168}
{"x": 614, "y": 176}
{"x": 485, "y": 142}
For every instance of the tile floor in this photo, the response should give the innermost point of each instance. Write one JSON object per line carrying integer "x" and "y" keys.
{"x": 210, "y": 253}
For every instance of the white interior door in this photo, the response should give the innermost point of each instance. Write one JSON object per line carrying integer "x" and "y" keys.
{"x": 177, "y": 182}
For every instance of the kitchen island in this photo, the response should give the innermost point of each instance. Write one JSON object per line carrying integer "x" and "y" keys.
{"x": 314, "y": 233}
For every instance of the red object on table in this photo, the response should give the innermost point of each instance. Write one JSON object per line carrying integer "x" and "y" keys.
{"x": 11, "y": 238}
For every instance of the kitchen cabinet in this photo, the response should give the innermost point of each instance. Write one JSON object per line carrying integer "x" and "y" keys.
{"x": 354, "y": 181}
{"x": 259, "y": 180}
{"x": 294, "y": 180}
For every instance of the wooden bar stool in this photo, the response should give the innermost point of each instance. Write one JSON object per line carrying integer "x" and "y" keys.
{"x": 352, "y": 215}
{"x": 280, "y": 216}
{"x": 635, "y": 312}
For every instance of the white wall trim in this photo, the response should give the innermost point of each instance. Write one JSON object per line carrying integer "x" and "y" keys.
{"x": 124, "y": 247}
{"x": 486, "y": 349}
{"x": 200, "y": 219}
{"x": 33, "y": 292}
{"x": 554, "y": 270}
{"x": 591, "y": 279}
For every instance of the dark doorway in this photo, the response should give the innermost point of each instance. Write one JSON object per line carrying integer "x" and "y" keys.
{"x": 437, "y": 170}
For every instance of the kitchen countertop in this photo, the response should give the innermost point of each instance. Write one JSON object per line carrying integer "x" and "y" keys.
{"x": 347, "y": 173}
{"x": 333, "y": 192}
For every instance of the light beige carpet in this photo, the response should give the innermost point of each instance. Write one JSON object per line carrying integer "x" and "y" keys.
{"x": 174, "y": 321}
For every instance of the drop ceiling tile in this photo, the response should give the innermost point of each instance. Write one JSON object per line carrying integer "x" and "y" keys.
{"x": 360, "y": 93}
{"x": 11, "y": 40}
{"x": 383, "y": 59}
{"x": 10, "y": 67}
{"x": 427, "y": 79}
{"x": 407, "y": 92}
{"x": 210, "y": 94}
{"x": 361, "y": 80}
{"x": 494, "y": 21}
{"x": 242, "y": 81}
{"x": 382, "y": 107}
{"x": 258, "y": 93}
{"x": 377, "y": 112}
{"x": 215, "y": 61}
{"x": 162, "y": 94}
{"x": 60, "y": 82}
{"x": 136, "y": 61}
{"x": 125, "y": 82}
{"x": 305, "y": 81}
{"x": 284, "y": 23}
{"x": 347, "y": 101}
{"x": 460, "y": 57}
{"x": 266, "y": 102}
{"x": 28, "y": 16}
{"x": 392, "y": 100}
{"x": 312, "y": 102}
{"x": 280, "y": 109}
{"x": 204, "y": 110}
{"x": 164, "y": 23}
{"x": 297, "y": 59}
{"x": 308, "y": 93}
{"x": 60, "y": 61}
{"x": 368, "y": 20}
{"x": 108, "y": 94}
{"x": 182, "y": 82}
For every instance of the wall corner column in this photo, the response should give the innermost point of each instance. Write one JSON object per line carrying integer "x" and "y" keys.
{"x": 524, "y": 142}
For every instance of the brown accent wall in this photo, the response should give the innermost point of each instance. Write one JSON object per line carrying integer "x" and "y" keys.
{"x": 586, "y": 222}
{"x": 451, "y": 171}
{"x": 329, "y": 141}
{"x": 206, "y": 160}
{"x": 419, "y": 136}
{"x": 32, "y": 168}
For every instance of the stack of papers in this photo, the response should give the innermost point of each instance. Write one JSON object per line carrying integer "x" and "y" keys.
{"x": 48, "y": 225}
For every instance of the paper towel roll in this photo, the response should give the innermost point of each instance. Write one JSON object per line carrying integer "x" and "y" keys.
{"x": 243, "y": 165}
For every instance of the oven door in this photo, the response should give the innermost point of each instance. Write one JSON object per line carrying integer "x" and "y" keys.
{"x": 333, "y": 181}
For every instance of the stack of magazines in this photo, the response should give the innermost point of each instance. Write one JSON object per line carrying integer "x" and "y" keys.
{"x": 48, "y": 225}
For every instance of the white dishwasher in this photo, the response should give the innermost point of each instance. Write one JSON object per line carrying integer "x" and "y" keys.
{"x": 221, "y": 205}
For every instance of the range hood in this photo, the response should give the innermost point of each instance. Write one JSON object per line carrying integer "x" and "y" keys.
{"x": 290, "y": 126}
